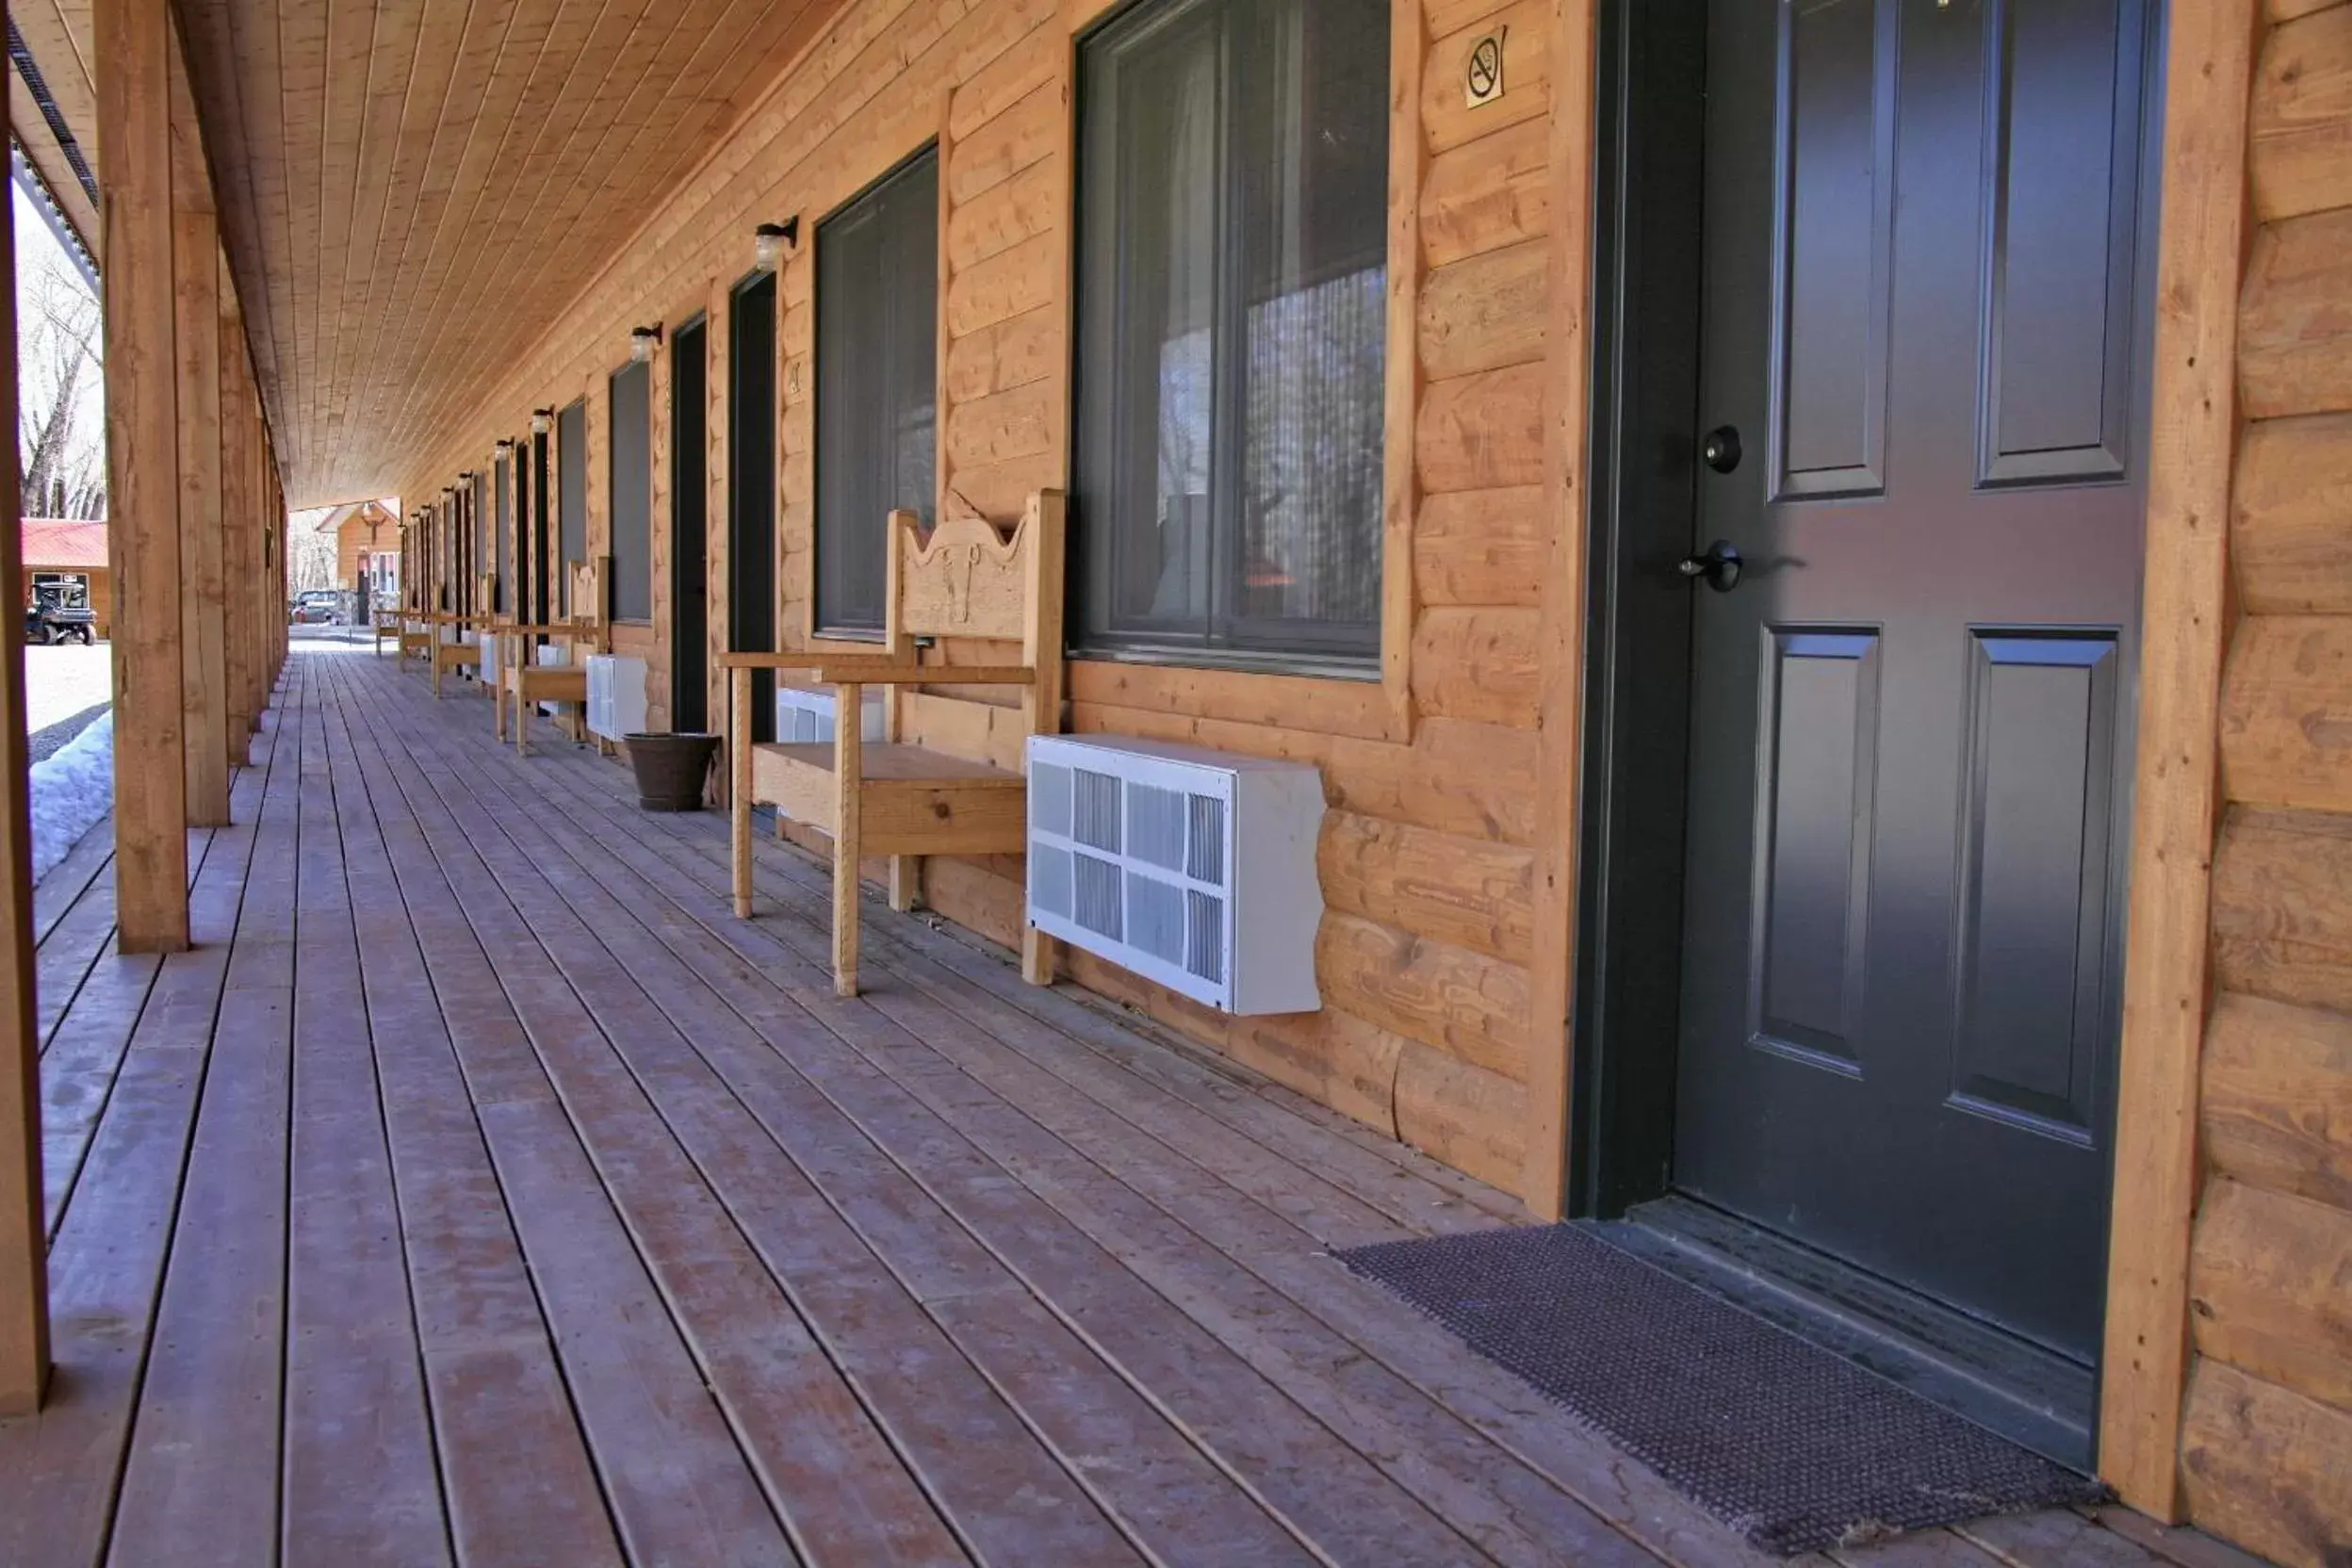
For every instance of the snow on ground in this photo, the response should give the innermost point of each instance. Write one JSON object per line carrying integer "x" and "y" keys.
{"x": 64, "y": 680}
{"x": 71, "y": 791}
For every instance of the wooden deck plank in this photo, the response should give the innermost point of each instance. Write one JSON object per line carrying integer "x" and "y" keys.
{"x": 58, "y": 1471}
{"x": 678, "y": 1486}
{"x": 829, "y": 1468}
{"x": 201, "y": 1478}
{"x": 90, "y": 861}
{"x": 354, "y": 1392}
{"x": 1279, "y": 1441}
{"x": 1150, "y": 1475}
{"x": 518, "y": 1478}
{"x": 1639, "y": 1503}
{"x": 1509, "y": 1413}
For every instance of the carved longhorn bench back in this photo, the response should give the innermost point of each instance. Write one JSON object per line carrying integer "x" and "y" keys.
{"x": 948, "y": 777}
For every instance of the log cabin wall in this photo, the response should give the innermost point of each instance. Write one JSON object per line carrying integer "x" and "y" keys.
{"x": 2267, "y": 1429}
{"x": 1428, "y": 860}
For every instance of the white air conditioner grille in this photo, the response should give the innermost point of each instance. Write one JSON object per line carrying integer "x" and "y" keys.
{"x": 1049, "y": 879}
{"x": 1155, "y": 825}
{"x": 1205, "y": 942}
{"x": 1204, "y": 860}
{"x": 1155, "y": 916}
{"x": 1196, "y": 869}
{"x": 1049, "y": 798}
{"x": 1098, "y": 896}
{"x": 1094, "y": 809}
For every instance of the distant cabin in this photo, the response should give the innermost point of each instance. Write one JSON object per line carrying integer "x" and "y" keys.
{"x": 60, "y": 549}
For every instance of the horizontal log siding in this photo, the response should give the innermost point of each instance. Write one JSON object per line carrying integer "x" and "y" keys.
{"x": 2269, "y": 1412}
{"x": 1427, "y": 858}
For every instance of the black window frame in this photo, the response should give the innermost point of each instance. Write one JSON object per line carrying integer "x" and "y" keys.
{"x": 1234, "y": 640}
{"x": 842, "y": 445}
{"x": 629, "y": 497}
{"x": 571, "y": 499}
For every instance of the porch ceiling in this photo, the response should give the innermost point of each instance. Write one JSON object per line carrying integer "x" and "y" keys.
{"x": 411, "y": 191}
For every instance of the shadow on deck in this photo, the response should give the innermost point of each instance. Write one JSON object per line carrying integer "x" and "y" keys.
{"x": 479, "y": 1189}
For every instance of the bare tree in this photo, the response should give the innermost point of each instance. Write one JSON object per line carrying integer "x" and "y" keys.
{"x": 62, "y": 451}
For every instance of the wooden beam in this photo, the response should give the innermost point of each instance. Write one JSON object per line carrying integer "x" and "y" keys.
{"x": 239, "y": 554}
{"x": 204, "y": 590}
{"x": 1559, "y": 628}
{"x": 133, "y": 44}
{"x": 24, "y": 1240}
{"x": 2184, "y": 617}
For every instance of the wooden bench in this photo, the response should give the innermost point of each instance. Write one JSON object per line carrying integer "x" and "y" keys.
{"x": 526, "y": 680}
{"x": 454, "y": 647}
{"x": 901, "y": 798}
{"x": 415, "y": 636}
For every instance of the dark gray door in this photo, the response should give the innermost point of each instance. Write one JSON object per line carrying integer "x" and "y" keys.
{"x": 1903, "y": 920}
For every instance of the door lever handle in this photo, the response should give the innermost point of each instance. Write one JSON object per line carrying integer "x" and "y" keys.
{"x": 1719, "y": 567}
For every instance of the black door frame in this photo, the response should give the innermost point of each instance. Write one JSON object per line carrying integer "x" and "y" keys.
{"x": 690, "y": 604}
{"x": 1648, "y": 207}
{"x": 752, "y": 464}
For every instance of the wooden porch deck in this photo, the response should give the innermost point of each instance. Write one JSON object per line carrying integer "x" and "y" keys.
{"x": 479, "y": 1191}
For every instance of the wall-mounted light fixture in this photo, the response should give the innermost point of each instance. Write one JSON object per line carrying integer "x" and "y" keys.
{"x": 770, "y": 240}
{"x": 542, "y": 420}
{"x": 642, "y": 342}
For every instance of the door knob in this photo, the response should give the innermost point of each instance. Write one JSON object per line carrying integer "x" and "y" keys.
{"x": 1720, "y": 451}
{"x": 1719, "y": 567}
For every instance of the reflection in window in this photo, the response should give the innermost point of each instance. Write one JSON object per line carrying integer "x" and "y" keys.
{"x": 1231, "y": 315}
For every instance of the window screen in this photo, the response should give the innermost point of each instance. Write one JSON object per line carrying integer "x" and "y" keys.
{"x": 571, "y": 498}
{"x": 877, "y": 384}
{"x": 1231, "y": 255}
{"x": 631, "y": 406}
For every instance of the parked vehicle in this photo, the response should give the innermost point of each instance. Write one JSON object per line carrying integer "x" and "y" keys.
{"x": 315, "y": 607}
{"x": 60, "y": 612}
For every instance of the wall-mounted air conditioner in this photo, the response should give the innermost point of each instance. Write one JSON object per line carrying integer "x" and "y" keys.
{"x": 1193, "y": 868}
{"x": 552, "y": 653}
{"x": 806, "y": 716}
{"x": 616, "y": 695}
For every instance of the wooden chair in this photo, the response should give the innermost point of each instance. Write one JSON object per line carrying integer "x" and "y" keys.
{"x": 387, "y": 627}
{"x": 526, "y": 680}
{"x": 901, "y": 798}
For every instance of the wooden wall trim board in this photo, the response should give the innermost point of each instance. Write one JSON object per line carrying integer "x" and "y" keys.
{"x": 23, "y": 1237}
{"x": 2185, "y": 609}
{"x": 1401, "y": 486}
{"x": 134, "y": 38}
{"x": 1574, "y": 50}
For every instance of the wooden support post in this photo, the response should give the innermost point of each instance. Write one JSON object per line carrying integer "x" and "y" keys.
{"x": 203, "y": 607}
{"x": 849, "y": 765}
{"x": 132, "y": 46}
{"x": 240, "y": 557}
{"x": 24, "y": 1240}
{"x": 739, "y": 785}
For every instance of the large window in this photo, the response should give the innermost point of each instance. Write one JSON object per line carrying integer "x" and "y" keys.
{"x": 877, "y": 384}
{"x": 631, "y": 483}
{"x": 1231, "y": 255}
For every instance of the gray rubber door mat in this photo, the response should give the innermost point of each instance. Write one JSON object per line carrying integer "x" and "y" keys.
{"x": 1794, "y": 1447}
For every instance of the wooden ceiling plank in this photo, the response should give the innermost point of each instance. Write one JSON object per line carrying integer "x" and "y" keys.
{"x": 350, "y": 84}
{"x": 496, "y": 87}
{"x": 833, "y": 134}
{"x": 456, "y": 51}
{"x": 503, "y": 246}
{"x": 600, "y": 215}
{"x": 782, "y": 109}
